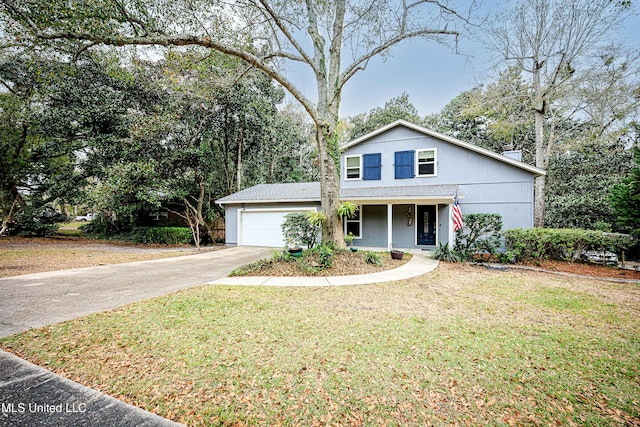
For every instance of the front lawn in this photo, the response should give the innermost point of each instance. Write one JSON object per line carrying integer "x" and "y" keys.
{"x": 461, "y": 345}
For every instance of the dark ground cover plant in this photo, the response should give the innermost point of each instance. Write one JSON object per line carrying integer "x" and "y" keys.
{"x": 321, "y": 261}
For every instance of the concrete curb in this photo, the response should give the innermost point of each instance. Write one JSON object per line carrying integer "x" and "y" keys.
{"x": 420, "y": 264}
{"x": 33, "y": 396}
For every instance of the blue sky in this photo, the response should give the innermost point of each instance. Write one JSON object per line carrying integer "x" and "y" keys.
{"x": 430, "y": 73}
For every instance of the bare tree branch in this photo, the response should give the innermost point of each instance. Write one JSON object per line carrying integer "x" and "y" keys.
{"x": 357, "y": 64}
{"x": 288, "y": 35}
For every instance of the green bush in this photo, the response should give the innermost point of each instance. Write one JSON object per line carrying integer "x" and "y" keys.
{"x": 445, "y": 253}
{"x": 298, "y": 230}
{"x": 162, "y": 235}
{"x": 316, "y": 259}
{"x": 37, "y": 221}
{"x": 325, "y": 255}
{"x": 481, "y": 235}
{"x": 372, "y": 258}
{"x": 561, "y": 244}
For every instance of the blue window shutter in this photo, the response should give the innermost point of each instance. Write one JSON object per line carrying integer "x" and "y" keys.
{"x": 372, "y": 163}
{"x": 404, "y": 164}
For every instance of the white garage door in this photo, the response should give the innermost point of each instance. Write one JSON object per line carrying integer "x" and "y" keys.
{"x": 262, "y": 227}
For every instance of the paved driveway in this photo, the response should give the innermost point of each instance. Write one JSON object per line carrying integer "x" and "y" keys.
{"x": 41, "y": 299}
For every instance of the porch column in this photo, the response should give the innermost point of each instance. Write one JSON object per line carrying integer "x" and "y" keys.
{"x": 389, "y": 225}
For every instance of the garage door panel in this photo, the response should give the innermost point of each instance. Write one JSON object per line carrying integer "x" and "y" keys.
{"x": 263, "y": 227}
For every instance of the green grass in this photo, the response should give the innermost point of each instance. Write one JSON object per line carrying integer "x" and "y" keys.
{"x": 71, "y": 228}
{"x": 459, "y": 345}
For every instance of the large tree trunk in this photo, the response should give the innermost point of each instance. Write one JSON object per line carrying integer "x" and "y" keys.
{"x": 239, "y": 163}
{"x": 540, "y": 181}
{"x": 332, "y": 231}
{"x": 538, "y": 204}
{"x": 540, "y": 109}
{"x": 327, "y": 70}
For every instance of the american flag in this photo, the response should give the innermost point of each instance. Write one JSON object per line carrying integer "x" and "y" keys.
{"x": 457, "y": 214}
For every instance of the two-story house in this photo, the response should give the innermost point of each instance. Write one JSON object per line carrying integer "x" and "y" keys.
{"x": 404, "y": 179}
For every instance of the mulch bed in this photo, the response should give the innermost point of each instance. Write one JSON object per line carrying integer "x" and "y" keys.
{"x": 586, "y": 269}
{"x": 344, "y": 264}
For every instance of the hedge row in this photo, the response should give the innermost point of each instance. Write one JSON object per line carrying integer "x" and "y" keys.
{"x": 562, "y": 244}
{"x": 162, "y": 235}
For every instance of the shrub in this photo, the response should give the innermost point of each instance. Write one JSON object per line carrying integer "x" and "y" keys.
{"x": 481, "y": 234}
{"x": 298, "y": 230}
{"x": 101, "y": 227}
{"x": 162, "y": 235}
{"x": 315, "y": 259}
{"x": 372, "y": 258}
{"x": 445, "y": 253}
{"x": 325, "y": 255}
{"x": 562, "y": 244}
{"x": 37, "y": 221}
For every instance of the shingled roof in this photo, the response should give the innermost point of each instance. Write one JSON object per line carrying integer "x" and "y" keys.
{"x": 310, "y": 192}
{"x": 286, "y": 192}
{"x": 400, "y": 192}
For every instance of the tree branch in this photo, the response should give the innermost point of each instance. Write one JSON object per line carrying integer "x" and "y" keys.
{"x": 357, "y": 64}
{"x": 189, "y": 40}
{"x": 132, "y": 21}
{"x": 288, "y": 35}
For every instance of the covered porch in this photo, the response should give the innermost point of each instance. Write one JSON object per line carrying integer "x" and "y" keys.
{"x": 416, "y": 217}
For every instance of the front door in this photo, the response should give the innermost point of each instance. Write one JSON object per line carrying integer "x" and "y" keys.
{"x": 426, "y": 225}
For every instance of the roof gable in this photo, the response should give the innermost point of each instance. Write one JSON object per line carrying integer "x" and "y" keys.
{"x": 442, "y": 137}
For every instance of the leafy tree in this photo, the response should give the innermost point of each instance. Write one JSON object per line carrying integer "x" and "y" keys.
{"x": 126, "y": 194}
{"x": 399, "y": 108}
{"x": 279, "y": 27}
{"x": 218, "y": 130}
{"x": 579, "y": 180}
{"x": 552, "y": 42}
{"x": 459, "y": 121}
{"x": 44, "y": 133}
{"x": 625, "y": 197}
{"x": 495, "y": 116}
{"x": 286, "y": 153}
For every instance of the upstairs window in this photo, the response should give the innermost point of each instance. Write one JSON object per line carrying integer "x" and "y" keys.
{"x": 352, "y": 167}
{"x": 426, "y": 162}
